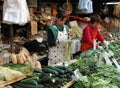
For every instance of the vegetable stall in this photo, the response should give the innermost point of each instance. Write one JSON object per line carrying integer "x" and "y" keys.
{"x": 99, "y": 68}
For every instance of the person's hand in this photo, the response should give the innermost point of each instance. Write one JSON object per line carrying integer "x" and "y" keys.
{"x": 62, "y": 41}
{"x": 100, "y": 47}
{"x": 106, "y": 43}
{"x": 70, "y": 33}
{"x": 57, "y": 42}
{"x": 68, "y": 40}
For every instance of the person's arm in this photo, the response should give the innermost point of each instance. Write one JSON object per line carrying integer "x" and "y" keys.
{"x": 51, "y": 38}
{"x": 99, "y": 36}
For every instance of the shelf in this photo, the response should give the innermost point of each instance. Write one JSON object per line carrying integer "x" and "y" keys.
{"x": 4, "y": 83}
{"x": 41, "y": 12}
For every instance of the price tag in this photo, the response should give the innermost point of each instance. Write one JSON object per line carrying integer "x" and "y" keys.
{"x": 110, "y": 35}
{"x": 94, "y": 46}
{"x": 77, "y": 74}
{"x": 116, "y": 63}
{"x": 108, "y": 61}
{"x": 100, "y": 58}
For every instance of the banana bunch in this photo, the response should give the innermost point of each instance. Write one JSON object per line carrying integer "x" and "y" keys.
{"x": 7, "y": 74}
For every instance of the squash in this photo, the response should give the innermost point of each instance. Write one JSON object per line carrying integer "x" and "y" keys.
{"x": 29, "y": 59}
{"x": 19, "y": 58}
{"x": 37, "y": 64}
{"x": 35, "y": 57}
{"x": 13, "y": 58}
{"x": 23, "y": 56}
{"x": 25, "y": 51}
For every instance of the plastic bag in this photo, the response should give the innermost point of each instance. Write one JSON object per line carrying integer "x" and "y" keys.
{"x": 15, "y": 12}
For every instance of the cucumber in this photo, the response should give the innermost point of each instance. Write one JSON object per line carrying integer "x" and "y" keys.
{"x": 48, "y": 70}
{"x": 60, "y": 71}
{"x": 36, "y": 75}
{"x": 48, "y": 79}
{"x": 16, "y": 86}
{"x": 33, "y": 82}
{"x": 48, "y": 74}
{"x": 70, "y": 71}
{"x": 37, "y": 70}
{"x": 69, "y": 67}
{"x": 29, "y": 86}
{"x": 29, "y": 80}
{"x": 61, "y": 67}
{"x": 61, "y": 76}
{"x": 45, "y": 79}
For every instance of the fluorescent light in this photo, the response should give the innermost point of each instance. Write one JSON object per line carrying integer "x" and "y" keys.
{"x": 111, "y": 3}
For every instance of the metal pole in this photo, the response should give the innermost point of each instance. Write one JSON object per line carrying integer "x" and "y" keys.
{"x": 11, "y": 39}
{"x": 39, "y": 2}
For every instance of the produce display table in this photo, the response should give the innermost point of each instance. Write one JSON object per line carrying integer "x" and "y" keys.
{"x": 4, "y": 83}
{"x": 68, "y": 84}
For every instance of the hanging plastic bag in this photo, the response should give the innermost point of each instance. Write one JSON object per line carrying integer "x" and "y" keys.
{"x": 86, "y": 6}
{"x": 15, "y": 12}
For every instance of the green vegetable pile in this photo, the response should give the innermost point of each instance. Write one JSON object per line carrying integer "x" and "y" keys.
{"x": 95, "y": 72}
{"x": 48, "y": 77}
{"x": 115, "y": 47}
{"x": 106, "y": 76}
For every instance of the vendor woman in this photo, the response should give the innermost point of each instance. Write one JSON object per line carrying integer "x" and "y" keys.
{"x": 91, "y": 33}
{"x": 57, "y": 39}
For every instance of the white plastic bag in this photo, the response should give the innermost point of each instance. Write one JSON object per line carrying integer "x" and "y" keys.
{"x": 86, "y": 6}
{"x": 15, "y": 12}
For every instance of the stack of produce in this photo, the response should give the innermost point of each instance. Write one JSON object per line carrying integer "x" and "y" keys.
{"x": 23, "y": 56}
{"x": 7, "y": 74}
{"x": 24, "y": 67}
{"x": 104, "y": 76}
{"x": 106, "y": 33}
{"x": 95, "y": 72}
{"x": 115, "y": 47}
{"x": 48, "y": 77}
{"x": 116, "y": 11}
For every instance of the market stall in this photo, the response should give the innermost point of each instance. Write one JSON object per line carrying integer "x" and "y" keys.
{"x": 24, "y": 59}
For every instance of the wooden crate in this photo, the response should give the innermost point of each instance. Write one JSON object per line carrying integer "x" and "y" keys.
{"x": 4, "y": 83}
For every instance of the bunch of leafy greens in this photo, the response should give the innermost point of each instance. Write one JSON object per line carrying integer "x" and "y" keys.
{"x": 106, "y": 76}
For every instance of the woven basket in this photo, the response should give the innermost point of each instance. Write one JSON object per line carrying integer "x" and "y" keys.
{"x": 4, "y": 60}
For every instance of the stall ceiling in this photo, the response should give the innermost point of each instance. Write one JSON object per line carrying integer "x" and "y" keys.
{"x": 104, "y": 1}
{"x": 78, "y": 0}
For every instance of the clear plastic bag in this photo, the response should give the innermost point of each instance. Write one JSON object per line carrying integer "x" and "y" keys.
{"x": 4, "y": 57}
